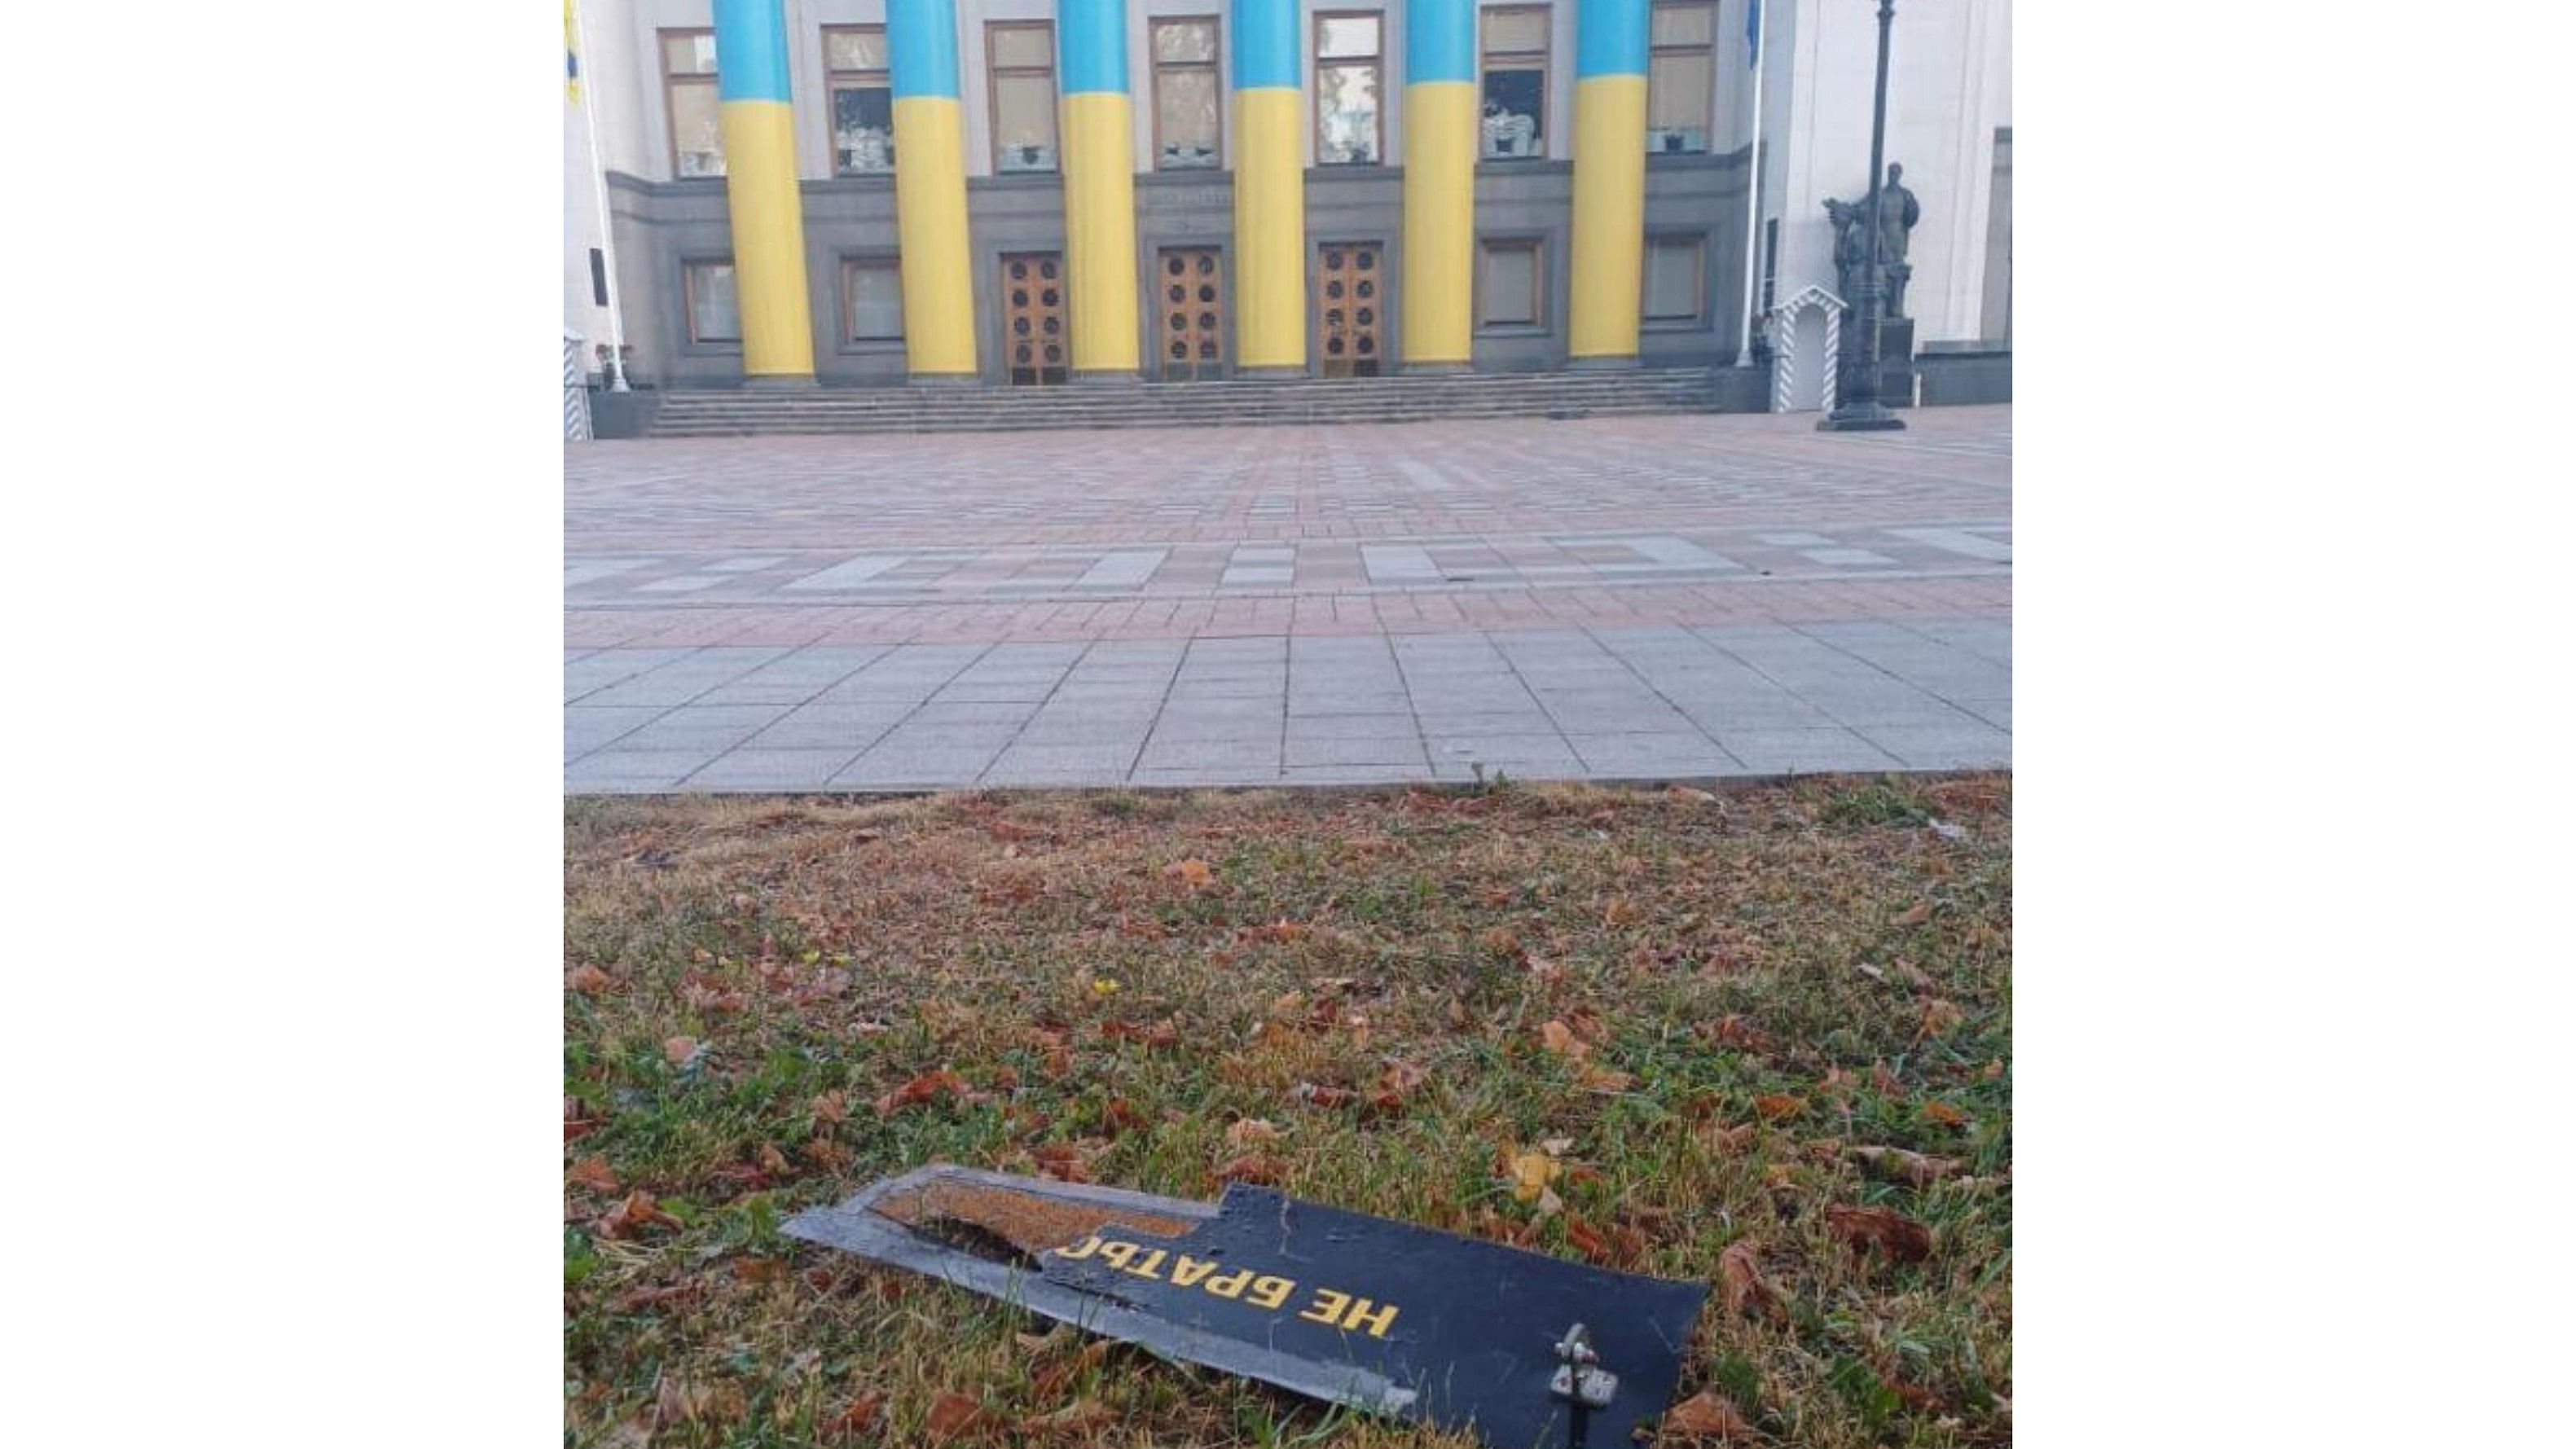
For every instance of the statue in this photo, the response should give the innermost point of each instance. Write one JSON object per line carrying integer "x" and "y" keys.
{"x": 1898, "y": 212}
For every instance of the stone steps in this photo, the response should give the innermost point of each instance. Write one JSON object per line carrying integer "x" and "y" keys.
{"x": 735, "y": 412}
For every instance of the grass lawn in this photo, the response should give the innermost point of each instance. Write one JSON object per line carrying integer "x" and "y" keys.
{"x": 1759, "y": 1038}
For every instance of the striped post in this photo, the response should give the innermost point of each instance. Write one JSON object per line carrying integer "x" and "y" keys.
{"x": 576, "y": 392}
{"x": 1609, "y": 181}
{"x": 1269, "y": 189}
{"x": 761, "y": 197}
{"x": 1439, "y": 183}
{"x": 930, "y": 190}
{"x": 1099, "y": 186}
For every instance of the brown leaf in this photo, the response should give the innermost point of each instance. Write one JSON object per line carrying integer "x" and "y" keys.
{"x": 1890, "y": 1231}
{"x": 1602, "y": 1079}
{"x": 832, "y": 1107}
{"x": 589, "y": 978}
{"x": 1916, "y": 915}
{"x": 1940, "y": 1018}
{"x": 1082, "y": 1416}
{"x": 1621, "y": 911}
{"x": 1587, "y": 1240}
{"x": 1726, "y": 1141}
{"x": 1192, "y": 873}
{"x": 1779, "y": 1106}
{"x": 1740, "y": 1281}
{"x": 1914, "y": 1167}
{"x": 860, "y": 1416}
{"x": 1737, "y": 1032}
{"x": 920, "y": 1089}
{"x": 593, "y": 1172}
{"x": 1120, "y": 1116}
{"x": 1253, "y": 1167}
{"x": 1054, "y": 1376}
{"x": 1705, "y": 1414}
{"x": 677, "y": 1050}
{"x": 1251, "y": 1132}
{"x": 1561, "y": 1039}
{"x": 1062, "y": 1161}
{"x": 637, "y": 1212}
{"x": 1945, "y": 1114}
{"x": 955, "y": 1417}
{"x": 1315, "y": 1095}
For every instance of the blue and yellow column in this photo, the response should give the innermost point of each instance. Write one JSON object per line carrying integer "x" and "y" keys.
{"x": 1099, "y": 186}
{"x": 930, "y": 190}
{"x": 1269, "y": 190}
{"x": 1439, "y": 183}
{"x": 1609, "y": 181}
{"x": 761, "y": 198}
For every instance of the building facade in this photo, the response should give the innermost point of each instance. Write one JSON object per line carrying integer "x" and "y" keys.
{"x": 1027, "y": 192}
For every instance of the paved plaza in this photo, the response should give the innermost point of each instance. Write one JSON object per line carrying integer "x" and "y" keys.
{"x": 1673, "y": 597}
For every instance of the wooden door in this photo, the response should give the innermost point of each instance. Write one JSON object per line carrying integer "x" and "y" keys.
{"x": 1034, "y": 346}
{"x": 1350, "y": 293}
{"x": 1189, "y": 292}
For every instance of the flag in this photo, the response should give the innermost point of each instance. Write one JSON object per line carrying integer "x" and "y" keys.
{"x": 572, "y": 57}
{"x": 1753, "y": 33}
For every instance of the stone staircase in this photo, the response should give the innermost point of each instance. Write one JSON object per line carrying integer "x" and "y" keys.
{"x": 741, "y": 412}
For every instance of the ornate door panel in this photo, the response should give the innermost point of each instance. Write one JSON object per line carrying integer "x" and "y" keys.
{"x": 1034, "y": 345}
{"x": 1350, "y": 306}
{"x": 1189, "y": 305}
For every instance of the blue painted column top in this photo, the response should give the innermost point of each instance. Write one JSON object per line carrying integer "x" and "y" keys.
{"x": 921, "y": 44}
{"x": 751, "y": 50}
{"x": 1091, "y": 45}
{"x": 1610, "y": 37}
{"x": 1439, "y": 40}
{"x": 1265, "y": 43}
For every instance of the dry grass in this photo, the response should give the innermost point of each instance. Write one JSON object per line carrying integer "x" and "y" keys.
{"x": 1717, "y": 1000}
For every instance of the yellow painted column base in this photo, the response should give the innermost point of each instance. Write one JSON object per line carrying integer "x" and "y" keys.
{"x": 1439, "y": 223}
{"x": 768, "y": 218}
{"x": 1100, "y": 231}
{"x": 1269, "y": 230}
{"x": 1609, "y": 216}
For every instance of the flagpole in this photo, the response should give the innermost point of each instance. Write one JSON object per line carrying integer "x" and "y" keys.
{"x": 615, "y": 367}
{"x": 1753, "y": 189}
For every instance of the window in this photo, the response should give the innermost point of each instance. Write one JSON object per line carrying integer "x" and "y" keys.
{"x": 1511, "y": 284}
{"x": 1187, "y": 132}
{"x": 1681, "y": 76}
{"x": 871, "y": 299}
{"x": 1675, "y": 267}
{"x": 1021, "y": 57}
{"x": 855, "y": 72}
{"x": 715, "y": 314}
{"x": 689, "y": 95}
{"x": 1514, "y": 60}
{"x": 1349, "y": 129}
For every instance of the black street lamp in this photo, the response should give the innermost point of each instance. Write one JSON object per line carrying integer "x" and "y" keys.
{"x": 1862, "y": 412}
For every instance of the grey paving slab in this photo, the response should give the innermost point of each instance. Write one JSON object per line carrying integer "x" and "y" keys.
{"x": 949, "y": 763}
{"x": 1651, "y": 755}
{"x": 828, "y": 726}
{"x": 683, "y": 679}
{"x": 1167, "y": 753}
{"x": 633, "y": 769}
{"x": 592, "y": 727}
{"x": 1352, "y": 726}
{"x": 708, "y": 727}
{"x": 1804, "y": 751}
{"x": 748, "y": 769}
{"x": 1403, "y": 749}
{"x": 1058, "y": 764}
{"x": 1941, "y": 747}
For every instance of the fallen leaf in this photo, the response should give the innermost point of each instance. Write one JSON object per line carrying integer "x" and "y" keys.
{"x": 1120, "y": 1116}
{"x": 920, "y": 1089}
{"x": 589, "y": 978}
{"x": 1602, "y": 1079}
{"x": 637, "y": 1212}
{"x": 1914, "y": 1167}
{"x": 1054, "y": 1376}
{"x": 1736, "y": 1031}
{"x": 1062, "y": 1161}
{"x": 832, "y": 1106}
{"x": 1916, "y": 915}
{"x": 1082, "y": 1416}
{"x": 1586, "y": 1240}
{"x": 1890, "y": 1231}
{"x": 1621, "y": 911}
{"x": 1251, "y": 1132}
{"x": 1531, "y": 1174}
{"x": 1779, "y": 1106}
{"x": 1740, "y": 1281}
{"x": 1940, "y": 1018}
{"x": 1945, "y": 1114}
{"x": 1726, "y": 1141}
{"x": 860, "y": 1416}
{"x": 1705, "y": 1414}
{"x": 680, "y": 1050}
{"x": 1253, "y": 1167}
{"x": 593, "y": 1172}
{"x": 954, "y": 1417}
{"x": 1315, "y": 1095}
{"x": 1192, "y": 873}
{"x": 1561, "y": 1039}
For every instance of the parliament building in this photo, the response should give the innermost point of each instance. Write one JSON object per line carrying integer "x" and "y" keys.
{"x": 1014, "y": 193}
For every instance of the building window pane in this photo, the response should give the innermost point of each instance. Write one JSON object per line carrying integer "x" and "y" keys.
{"x": 1514, "y": 59}
{"x": 1187, "y": 129}
{"x": 1681, "y": 77}
{"x": 1673, "y": 273}
{"x": 689, "y": 96}
{"x": 1022, "y": 61}
{"x": 1349, "y": 125}
{"x": 872, "y": 294}
{"x": 862, "y": 91}
{"x": 715, "y": 314}
{"x": 1510, "y": 284}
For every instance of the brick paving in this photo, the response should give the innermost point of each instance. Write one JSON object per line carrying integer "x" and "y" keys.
{"x": 1650, "y": 597}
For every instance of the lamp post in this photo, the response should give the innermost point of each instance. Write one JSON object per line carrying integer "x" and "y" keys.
{"x": 1861, "y": 411}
